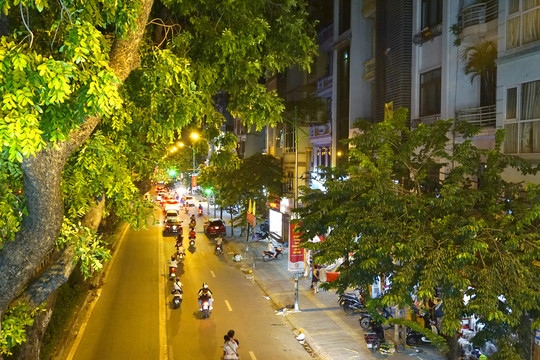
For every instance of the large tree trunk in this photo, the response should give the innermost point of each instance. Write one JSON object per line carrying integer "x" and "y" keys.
{"x": 42, "y": 175}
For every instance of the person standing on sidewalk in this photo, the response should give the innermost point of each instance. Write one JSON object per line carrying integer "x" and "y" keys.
{"x": 315, "y": 278}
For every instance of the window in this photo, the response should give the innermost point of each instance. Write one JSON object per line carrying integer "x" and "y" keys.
{"x": 344, "y": 15}
{"x": 289, "y": 138}
{"x": 511, "y": 103}
{"x": 431, "y": 13}
{"x": 523, "y": 23}
{"x": 430, "y": 92}
{"x": 523, "y": 130}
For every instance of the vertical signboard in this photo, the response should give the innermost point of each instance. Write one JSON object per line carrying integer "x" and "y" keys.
{"x": 296, "y": 253}
{"x": 194, "y": 181}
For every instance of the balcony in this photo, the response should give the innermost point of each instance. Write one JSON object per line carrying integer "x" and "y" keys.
{"x": 324, "y": 84}
{"x": 427, "y": 34}
{"x": 427, "y": 120}
{"x": 369, "y": 69}
{"x": 326, "y": 33}
{"x": 477, "y": 14}
{"x": 484, "y": 116}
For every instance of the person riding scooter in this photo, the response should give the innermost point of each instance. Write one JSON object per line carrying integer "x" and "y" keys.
{"x": 173, "y": 266}
{"x": 200, "y": 210}
{"x": 219, "y": 245}
{"x": 205, "y": 295}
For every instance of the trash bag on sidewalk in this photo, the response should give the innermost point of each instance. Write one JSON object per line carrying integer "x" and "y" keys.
{"x": 237, "y": 257}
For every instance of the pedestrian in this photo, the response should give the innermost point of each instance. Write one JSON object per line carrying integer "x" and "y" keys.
{"x": 315, "y": 278}
{"x": 229, "y": 349}
{"x": 231, "y": 336}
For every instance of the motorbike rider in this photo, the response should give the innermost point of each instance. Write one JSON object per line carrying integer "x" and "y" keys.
{"x": 177, "y": 286}
{"x": 173, "y": 263}
{"x": 192, "y": 218}
{"x": 271, "y": 248}
{"x": 200, "y": 208}
{"x": 179, "y": 240}
{"x": 205, "y": 294}
{"x": 219, "y": 243}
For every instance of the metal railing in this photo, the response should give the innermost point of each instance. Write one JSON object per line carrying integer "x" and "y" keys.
{"x": 427, "y": 34}
{"x": 428, "y": 120}
{"x": 324, "y": 83}
{"x": 484, "y": 116}
{"x": 479, "y": 13}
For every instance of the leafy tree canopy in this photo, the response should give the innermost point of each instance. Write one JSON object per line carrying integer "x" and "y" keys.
{"x": 471, "y": 233}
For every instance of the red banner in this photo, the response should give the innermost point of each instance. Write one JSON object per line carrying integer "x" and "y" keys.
{"x": 296, "y": 253}
{"x": 194, "y": 181}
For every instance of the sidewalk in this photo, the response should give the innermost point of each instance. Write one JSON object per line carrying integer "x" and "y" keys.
{"x": 328, "y": 331}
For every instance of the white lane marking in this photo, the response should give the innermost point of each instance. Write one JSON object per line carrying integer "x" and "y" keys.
{"x": 162, "y": 304}
{"x": 94, "y": 302}
{"x": 228, "y": 305}
{"x": 252, "y": 355}
{"x": 213, "y": 275}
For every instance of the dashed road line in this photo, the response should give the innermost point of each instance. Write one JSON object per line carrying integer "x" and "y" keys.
{"x": 228, "y": 305}
{"x": 252, "y": 355}
{"x": 213, "y": 275}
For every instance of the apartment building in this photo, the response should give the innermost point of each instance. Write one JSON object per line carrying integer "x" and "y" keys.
{"x": 411, "y": 53}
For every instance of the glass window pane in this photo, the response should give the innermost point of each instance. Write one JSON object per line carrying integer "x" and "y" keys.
{"x": 531, "y": 26}
{"x": 513, "y": 6}
{"x": 512, "y": 33}
{"x": 510, "y": 141}
{"x": 511, "y": 103}
{"x": 530, "y": 100}
{"x": 529, "y": 4}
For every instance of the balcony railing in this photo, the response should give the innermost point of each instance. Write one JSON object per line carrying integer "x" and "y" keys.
{"x": 427, "y": 34}
{"x": 324, "y": 83}
{"x": 476, "y": 14}
{"x": 428, "y": 120}
{"x": 484, "y": 116}
{"x": 325, "y": 33}
{"x": 369, "y": 69}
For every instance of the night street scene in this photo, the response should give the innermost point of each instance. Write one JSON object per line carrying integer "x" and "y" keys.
{"x": 270, "y": 179}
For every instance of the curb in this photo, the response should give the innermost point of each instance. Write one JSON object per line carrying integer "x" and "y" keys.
{"x": 311, "y": 347}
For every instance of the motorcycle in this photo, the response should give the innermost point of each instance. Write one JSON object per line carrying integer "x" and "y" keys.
{"x": 352, "y": 306}
{"x": 416, "y": 338}
{"x": 180, "y": 256}
{"x": 277, "y": 255}
{"x": 219, "y": 250}
{"x": 177, "y": 298}
{"x": 200, "y": 212}
{"x": 205, "y": 309}
{"x": 375, "y": 338}
{"x": 172, "y": 273}
{"x": 366, "y": 318}
{"x": 192, "y": 225}
{"x": 192, "y": 242}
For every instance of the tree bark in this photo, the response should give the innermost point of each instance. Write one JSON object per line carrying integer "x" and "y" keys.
{"x": 42, "y": 175}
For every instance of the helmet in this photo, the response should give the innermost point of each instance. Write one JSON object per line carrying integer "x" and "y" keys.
{"x": 172, "y": 257}
{"x": 205, "y": 286}
{"x": 177, "y": 279}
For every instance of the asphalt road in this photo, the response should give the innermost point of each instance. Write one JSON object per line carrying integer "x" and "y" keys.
{"x": 133, "y": 317}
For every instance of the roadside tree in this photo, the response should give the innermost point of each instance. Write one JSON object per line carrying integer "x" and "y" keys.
{"x": 469, "y": 235}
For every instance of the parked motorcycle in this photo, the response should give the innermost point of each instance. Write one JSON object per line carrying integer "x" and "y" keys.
{"x": 416, "y": 338}
{"x": 277, "y": 255}
{"x": 375, "y": 338}
{"x": 352, "y": 306}
{"x": 366, "y": 318}
{"x": 177, "y": 298}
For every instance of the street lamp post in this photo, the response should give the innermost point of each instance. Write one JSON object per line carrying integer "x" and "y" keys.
{"x": 194, "y": 136}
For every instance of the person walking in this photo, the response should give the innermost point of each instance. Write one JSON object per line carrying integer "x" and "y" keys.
{"x": 229, "y": 349}
{"x": 315, "y": 279}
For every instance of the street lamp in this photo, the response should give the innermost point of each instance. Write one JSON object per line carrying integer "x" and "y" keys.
{"x": 194, "y": 136}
